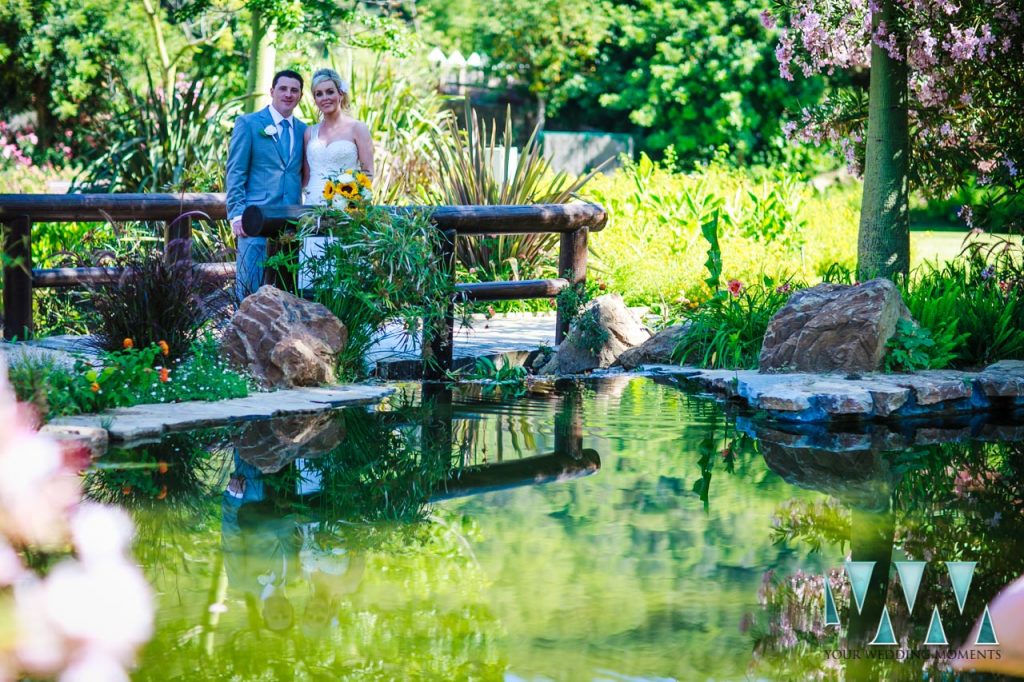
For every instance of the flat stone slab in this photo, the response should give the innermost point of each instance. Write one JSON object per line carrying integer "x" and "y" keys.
{"x": 504, "y": 339}
{"x": 152, "y": 421}
{"x": 805, "y": 397}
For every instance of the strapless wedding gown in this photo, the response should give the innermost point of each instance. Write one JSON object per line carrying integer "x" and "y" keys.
{"x": 324, "y": 161}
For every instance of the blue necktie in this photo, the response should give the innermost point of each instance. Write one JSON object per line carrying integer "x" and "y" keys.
{"x": 285, "y": 138}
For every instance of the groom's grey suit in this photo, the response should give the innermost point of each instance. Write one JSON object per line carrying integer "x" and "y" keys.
{"x": 261, "y": 170}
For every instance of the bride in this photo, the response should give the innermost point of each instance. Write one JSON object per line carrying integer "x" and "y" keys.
{"x": 337, "y": 143}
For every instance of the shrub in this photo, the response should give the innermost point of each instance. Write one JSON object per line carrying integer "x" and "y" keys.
{"x": 131, "y": 376}
{"x": 382, "y": 265}
{"x": 727, "y": 330}
{"x": 467, "y": 160}
{"x": 973, "y": 305}
{"x": 157, "y": 298}
{"x": 651, "y": 250}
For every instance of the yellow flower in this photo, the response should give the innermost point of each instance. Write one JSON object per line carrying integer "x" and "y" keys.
{"x": 328, "y": 190}
{"x": 349, "y": 190}
{"x": 128, "y": 344}
{"x": 363, "y": 180}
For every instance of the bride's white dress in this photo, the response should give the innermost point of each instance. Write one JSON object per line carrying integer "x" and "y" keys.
{"x": 324, "y": 161}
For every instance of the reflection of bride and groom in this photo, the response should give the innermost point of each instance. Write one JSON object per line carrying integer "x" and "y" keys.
{"x": 274, "y": 158}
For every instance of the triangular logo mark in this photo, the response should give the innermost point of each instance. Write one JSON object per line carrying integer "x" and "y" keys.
{"x": 936, "y": 633}
{"x": 960, "y": 574}
{"x": 860, "y": 577}
{"x": 910, "y": 579}
{"x": 987, "y": 631}
{"x": 885, "y": 636}
{"x": 831, "y": 613}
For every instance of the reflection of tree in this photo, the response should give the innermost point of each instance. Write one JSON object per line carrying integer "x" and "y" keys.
{"x": 950, "y": 502}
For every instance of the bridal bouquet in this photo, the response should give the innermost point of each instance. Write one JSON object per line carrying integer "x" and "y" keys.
{"x": 348, "y": 189}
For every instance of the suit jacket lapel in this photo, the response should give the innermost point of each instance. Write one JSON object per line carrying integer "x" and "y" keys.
{"x": 274, "y": 140}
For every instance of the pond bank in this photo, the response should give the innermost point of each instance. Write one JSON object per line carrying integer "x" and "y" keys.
{"x": 815, "y": 398}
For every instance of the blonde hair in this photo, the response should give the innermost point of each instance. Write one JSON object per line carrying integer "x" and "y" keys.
{"x": 322, "y": 75}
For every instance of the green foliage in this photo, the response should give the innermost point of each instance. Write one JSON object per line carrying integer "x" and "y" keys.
{"x": 56, "y": 59}
{"x": 156, "y": 142}
{"x": 157, "y": 298}
{"x": 727, "y": 330}
{"x": 973, "y": 304}
{"x": 692, "y": 75}
{"x": 911, "y": 348}
{"x": 123, "y": 378}
{"x": 506, "y": 380}
{"x": 382, "y": 265}
{"x": 652, "y": 252}
{"x": 467, "y": 160}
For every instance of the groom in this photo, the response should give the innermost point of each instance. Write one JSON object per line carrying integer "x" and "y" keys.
{"x": 264, "y": 167}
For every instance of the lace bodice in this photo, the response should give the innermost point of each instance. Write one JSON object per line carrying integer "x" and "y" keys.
{"x": 326, "y": 160}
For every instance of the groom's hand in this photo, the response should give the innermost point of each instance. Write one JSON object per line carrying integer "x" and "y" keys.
{"x": 236, "y": 227}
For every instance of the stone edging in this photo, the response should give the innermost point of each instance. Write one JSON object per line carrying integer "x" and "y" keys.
{"x": 823, "y": 397}
{"x": 151, "y": 421}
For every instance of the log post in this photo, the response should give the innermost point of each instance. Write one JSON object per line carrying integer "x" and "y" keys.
{"x": 178, "y": 239}
{"x": 17, "y": 269}
{"x": 284, "y": 246}
{"x": 572, "y": 264}
{"x": 439, "y": 342}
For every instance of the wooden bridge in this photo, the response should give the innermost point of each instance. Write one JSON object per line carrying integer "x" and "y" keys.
{"x": 176, "y": 212}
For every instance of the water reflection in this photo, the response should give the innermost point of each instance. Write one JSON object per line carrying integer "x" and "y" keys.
{"x": 936, "y": 493}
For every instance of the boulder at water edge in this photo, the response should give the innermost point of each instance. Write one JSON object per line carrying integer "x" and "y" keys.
{"x": 602, "y": 331}
{"x": 833, "y": 328}
{"x": 657, "y": 350}
{"x": 283, "y": 340}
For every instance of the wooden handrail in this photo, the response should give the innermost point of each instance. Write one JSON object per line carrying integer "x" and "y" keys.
{"x": 63, "y": 208}
{"x": 268, "y": 221}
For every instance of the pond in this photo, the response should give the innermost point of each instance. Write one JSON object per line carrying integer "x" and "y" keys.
{"x": 619, "y": 529}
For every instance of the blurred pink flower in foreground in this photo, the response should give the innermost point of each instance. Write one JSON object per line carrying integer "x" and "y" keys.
{"x": 89, "y": 614}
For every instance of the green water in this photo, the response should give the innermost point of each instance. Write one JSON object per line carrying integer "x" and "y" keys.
{"x": 615, "y": 530}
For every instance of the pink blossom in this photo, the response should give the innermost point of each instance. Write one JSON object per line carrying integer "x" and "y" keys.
{"x": 767, "y": 20}
{"x": 735, "y": 287}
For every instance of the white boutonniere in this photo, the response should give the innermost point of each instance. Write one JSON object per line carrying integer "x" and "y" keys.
{"x": 270, "y": 131}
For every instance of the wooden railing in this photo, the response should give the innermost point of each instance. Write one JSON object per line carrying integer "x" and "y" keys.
{"x": 18, "y": 212}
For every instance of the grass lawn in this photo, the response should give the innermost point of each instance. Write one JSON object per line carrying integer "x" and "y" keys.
{"x": 940, "y": 244}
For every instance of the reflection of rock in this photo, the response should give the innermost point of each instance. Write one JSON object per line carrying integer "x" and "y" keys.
{"x": 552, "y": 468}
{"x": 283, "y": 340}
{"x": 848, "y": 463}
{"x": 656, "y": 350}
{"x": 270, "y": 445}
{"x": 605, "y": 315}
{"x": 834, "y": 328}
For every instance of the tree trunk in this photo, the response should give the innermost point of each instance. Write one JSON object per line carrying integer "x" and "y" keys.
{"x": 542, "y": 111}
{"x": 883, "y": 245}
{"x": 262, "y": 55}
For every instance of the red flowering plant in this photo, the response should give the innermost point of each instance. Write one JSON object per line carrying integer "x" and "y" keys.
{"x": 727, "y": 330}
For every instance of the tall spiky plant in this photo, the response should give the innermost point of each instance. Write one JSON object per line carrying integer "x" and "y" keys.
{"x": 466, "y": 176}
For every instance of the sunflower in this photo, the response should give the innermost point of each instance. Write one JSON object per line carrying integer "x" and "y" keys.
{"x": 329, "y": 190}
{"x": 349, "y": 190}
{"x": 363, "y": 179}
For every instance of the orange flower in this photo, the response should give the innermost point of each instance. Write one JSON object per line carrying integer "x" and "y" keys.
{"x": 165, "y": 375}
{"x": 163, "y": 493}
{"x": 128, "y": 344}
{"x": 126, "y": 490}
{"x": 95, "y": 387}
{"x": 162, "y": 467}
{"x": 165, "y": 350}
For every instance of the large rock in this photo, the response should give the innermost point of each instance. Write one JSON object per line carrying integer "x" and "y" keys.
{"x": 657, "y": 350}
{"x": 834, "y": 328}
{"x": 621, "y": 328}
{"x": 283, "y": 340}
